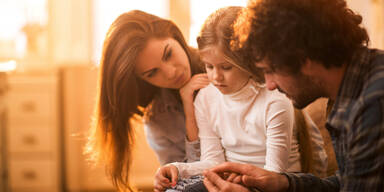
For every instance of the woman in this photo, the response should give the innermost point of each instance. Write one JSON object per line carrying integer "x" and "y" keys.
{"x": 147, "y": 70}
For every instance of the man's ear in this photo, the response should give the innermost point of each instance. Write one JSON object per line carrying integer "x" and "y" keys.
{"x": 311, "y": 68}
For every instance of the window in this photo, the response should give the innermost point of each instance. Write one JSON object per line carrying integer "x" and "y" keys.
{"x": 105, "y": 12}
{"x": 22, "y": 23}
{"x": 201, "y": 9}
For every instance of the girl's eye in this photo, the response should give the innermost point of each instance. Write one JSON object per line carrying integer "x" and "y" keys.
{"x": 208, "y": 66}
{"x": 152, "y": 73}
{"x": 267, "y": 71}
{"x": 226, "y": 67}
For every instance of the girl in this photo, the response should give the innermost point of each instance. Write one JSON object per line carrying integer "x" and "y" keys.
{"x": 147, "y": 70}
{"x": 238, "y": 119}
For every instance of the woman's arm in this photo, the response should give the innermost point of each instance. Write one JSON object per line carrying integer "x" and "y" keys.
{"x": 187, "y": 93}
{"x": 166, "y": 133}
{"x": 190, "y": 120}
{"x": 192, "y": 144}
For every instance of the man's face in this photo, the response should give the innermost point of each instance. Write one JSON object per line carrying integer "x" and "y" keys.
{"x": 300, "y": 88}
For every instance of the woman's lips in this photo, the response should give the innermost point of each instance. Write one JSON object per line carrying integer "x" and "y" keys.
{"x": 179, "y": 79}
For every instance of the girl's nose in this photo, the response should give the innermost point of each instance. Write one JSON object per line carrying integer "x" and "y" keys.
{"x": 217, "y": 75}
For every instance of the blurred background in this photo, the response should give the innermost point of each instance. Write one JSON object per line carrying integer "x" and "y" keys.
{"x": 49, "y": 57}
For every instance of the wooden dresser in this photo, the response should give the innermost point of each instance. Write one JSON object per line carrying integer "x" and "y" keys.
{"x": 33, "y": 152}
{"x": 3, "y": 148}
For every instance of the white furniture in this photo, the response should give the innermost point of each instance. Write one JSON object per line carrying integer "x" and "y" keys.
{"x": 33, "y": 132}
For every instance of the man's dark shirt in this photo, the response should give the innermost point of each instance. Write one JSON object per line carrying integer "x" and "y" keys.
{"x": 356, "y": 125}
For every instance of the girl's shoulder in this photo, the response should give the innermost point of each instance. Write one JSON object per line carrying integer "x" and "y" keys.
{"x": 275, "y": 95}
{"x": 207, "y": 95}
{"x": 265, "y": 95}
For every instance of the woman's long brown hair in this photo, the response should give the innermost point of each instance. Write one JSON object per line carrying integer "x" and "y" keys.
{"x": 121, "y": 95}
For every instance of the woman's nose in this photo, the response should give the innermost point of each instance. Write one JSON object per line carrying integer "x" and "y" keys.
{"x": 170, "y": 71}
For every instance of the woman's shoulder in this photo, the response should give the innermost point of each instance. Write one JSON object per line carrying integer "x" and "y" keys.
{"x": 164, "y": 104}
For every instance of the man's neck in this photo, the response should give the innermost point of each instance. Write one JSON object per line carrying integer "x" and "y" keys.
{"x": 328, "y": 79}
{"x": 332, "y": 79}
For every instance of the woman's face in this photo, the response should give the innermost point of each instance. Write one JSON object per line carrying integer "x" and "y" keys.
{"x": 163, "y": 63}
{"x": 222, "y": 74}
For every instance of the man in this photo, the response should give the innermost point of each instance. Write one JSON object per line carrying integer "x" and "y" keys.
{"x": 309, "y": 49}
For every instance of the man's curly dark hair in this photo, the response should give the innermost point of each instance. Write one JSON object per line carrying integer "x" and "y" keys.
{"x": 287, "y": 32}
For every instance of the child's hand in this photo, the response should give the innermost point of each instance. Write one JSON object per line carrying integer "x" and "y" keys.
{"x": 197, "y": 82}
{"x": 165, "y": 177}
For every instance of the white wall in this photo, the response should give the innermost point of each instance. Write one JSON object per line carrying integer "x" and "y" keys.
{"x": 71, "y": 26}
{"x": 70, "y": 31}
{"x": 373, "y": 14}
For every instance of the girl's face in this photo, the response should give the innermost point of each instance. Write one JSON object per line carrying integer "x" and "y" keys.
{"x": 222, "y": 74}
{"x": 163, "y": 63}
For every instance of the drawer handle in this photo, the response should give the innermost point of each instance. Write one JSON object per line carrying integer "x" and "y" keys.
{"x": 28, "y": 106}
{"x": 29, "y": 175}
{"x": 29, "y": 140}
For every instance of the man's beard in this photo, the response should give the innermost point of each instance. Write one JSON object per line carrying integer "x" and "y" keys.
{"x": 303, "y": 102}
{"x": 309, "y": 91}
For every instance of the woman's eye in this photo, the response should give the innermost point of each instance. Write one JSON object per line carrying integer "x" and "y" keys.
{"x": 169, "y": 54}
{"x": 152, "y": 73}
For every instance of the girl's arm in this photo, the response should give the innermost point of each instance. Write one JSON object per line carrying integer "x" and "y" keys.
{"x": 212, "y": 152}
{"x": 279, "y": 128}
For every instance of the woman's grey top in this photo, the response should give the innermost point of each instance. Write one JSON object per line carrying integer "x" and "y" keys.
{"x": 165, "y": 130}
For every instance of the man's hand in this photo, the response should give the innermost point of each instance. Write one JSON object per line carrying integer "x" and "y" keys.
{"x": 252, "y": 176}
{"x": 233, "y": 178}
{"x": 214, "y": 183}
